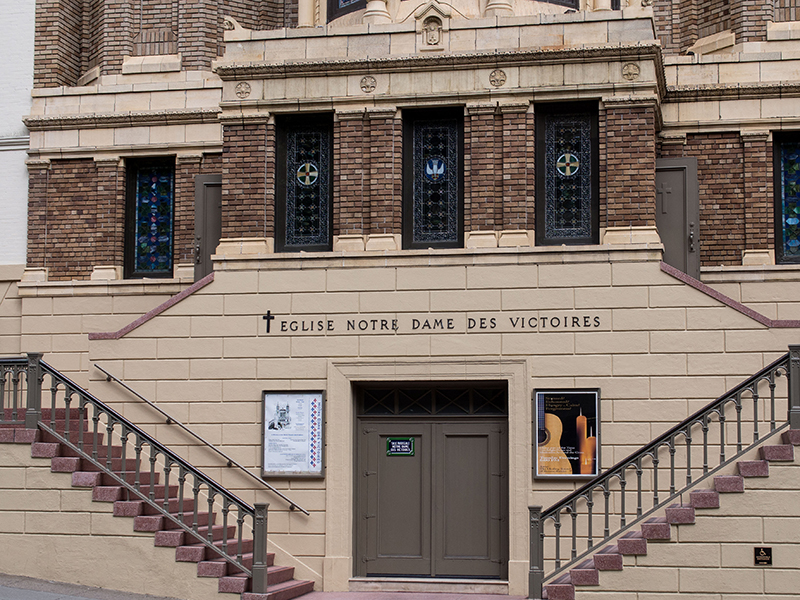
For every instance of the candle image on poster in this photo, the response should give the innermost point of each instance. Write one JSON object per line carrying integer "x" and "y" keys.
{"x": 567, "y": 433}
{"x": 292, "y": 443}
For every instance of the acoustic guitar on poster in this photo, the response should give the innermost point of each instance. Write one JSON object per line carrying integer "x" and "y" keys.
{"x": 551, "y": 457}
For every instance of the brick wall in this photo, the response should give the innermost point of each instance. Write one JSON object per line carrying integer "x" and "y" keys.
{"x": 57, "y": 42}
{"x": 759, "y": 215}
{"x": 248, "y": 180}
{"x": 186, "y": 167}
{"x": 481, "y": 193}
{"x": 351, "y": 168}
{"x": 713, "y": 16}
{"x": 787, "y": 10}
{"x": 110, "y": 210}
{"x": 721, "y": 183}
{"x": 517, "y": 172}
{"x": 386, "y": 168}
{"x": 627, "y": 159}
{"x": 749, "y": 20}
{"x": 199, "y": 32}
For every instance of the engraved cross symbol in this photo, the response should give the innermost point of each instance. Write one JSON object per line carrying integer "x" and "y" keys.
{"x": 268, "y": 318}
{"x": 663, "y": 191}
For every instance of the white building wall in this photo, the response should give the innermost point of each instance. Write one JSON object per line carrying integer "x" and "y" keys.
{"x": 16, "y": 81}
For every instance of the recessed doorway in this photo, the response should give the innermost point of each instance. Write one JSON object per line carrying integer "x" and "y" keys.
{"x": 431, "y": 480}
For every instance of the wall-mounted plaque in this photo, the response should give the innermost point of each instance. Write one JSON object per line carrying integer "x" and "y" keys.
{"x": 396, "y": 446}
{"x": 292, "y": 444}
{"x": 762, "y": 556}
{"x": 566, "y": 433}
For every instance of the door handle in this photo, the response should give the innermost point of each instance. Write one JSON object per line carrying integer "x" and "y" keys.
{"x": 691, "y": 237}
{"x": 198, "y": 258}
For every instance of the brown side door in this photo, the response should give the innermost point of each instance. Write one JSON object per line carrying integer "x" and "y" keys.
{"x": 678, "y": 213}
{"x": 439, "y": 513}
{"x": 207, "y": 221}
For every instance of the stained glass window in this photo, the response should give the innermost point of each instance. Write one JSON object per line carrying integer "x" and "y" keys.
{"x": 305, "y": 178}
{"x": 436, "y": 182}
{"x": 337, "y": 8}
{"x": 152, "y": 228}
{"x": 566, "y": 186}
{"x": 788, "y": 190}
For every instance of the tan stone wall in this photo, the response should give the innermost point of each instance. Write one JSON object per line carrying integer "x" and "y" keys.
{"x": 58, "y": 533}
{"x": 661, "y": 350}
{"x": 10, "y": 311}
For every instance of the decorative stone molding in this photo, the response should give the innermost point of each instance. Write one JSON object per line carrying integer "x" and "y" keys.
{"x": 124, "y": 119}
{"x": 701, "y": 93}
{"x": 39, "y": 163}
{"x": 501, "y": 8}
{"x": 754, "y": 135}
{"x": 481, "y": 239}
{"x": 34, "y": 275}
{"x": 619, "y": 236}
{"x": 306, "y": 10}
{"x": 713, "y": 43}
{"x": 107, "y": 161}
{"x": 433, "y": 26}
{"x": 672, "y": 139}
{"x": 516, "y": 238}
{"x": 106, "y": 272}
{"x": 184, "y": 272}
{"x": 758, "y": 257}
{"x": 384, "y": 241}
{"x": 188, "y": 158}
{"x": 242, "y": 119}
{"x": 376, "y": 13}
{"x": 240, "y": 246}
{"x": 349, "y": 243}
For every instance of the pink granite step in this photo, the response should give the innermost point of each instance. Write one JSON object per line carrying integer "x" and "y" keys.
{"x": 704, "y": 499}
{"x": 559, "y": 589}
{"x": 292, "y": 589}
{"x": 585, "y": 574}
{"x": 753, "y": 468}
{"x": 727, "y": 484}
{"x": 791, "y": 437}
{"x": 779, "y": 453}
{"x": 656, "y": 528}
{"x": 632, "y": 543}
{"x": 608, "y": 559}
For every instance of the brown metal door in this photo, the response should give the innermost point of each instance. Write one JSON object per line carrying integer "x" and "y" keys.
{"x": 207, "y": 221}
{"x": 441, "y": 512}
{"x": 678, "y": 213}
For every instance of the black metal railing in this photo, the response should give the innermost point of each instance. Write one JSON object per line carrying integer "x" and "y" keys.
{"x": 111, "y": 444}
{"x": 663, "y": 470}
{"x": 229, "y": 461}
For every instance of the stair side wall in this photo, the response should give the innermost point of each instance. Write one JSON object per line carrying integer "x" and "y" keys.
{"x": 50, "y": 530}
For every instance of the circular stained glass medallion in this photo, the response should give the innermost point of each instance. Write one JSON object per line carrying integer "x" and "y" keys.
{"x": 435, "y": 168}
{"x": 568, "y": 164}
{"x": 307, "y": 174}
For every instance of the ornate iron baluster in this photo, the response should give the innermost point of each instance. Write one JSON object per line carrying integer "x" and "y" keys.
{"x": 639, "y": 487}
{"x": 181, "y": 482}
{"x": 722, "y": 422}
{"x": 536, "y": 541}
{"x": 622, "y": 484}
{"x": 95, "y": 433}
{"x": 211, "y": 494}
{"x": 654, "y": 456}
{"x": 259, "y": 584}
{"x": 755, "y": 414}
{"x": 225, "y": 510}
{"x": 589, "y": 506}
{"x": 704, "y": 426}
{"x": 167, "y": 470}
{"x": 672, "y": 451}
{"x": 738, "y": 404}
{"x": 138, "y": 466}
{"x": 110, "y": 444}
{"x": 239, "y": 527}
{"x": 573, "y": 509}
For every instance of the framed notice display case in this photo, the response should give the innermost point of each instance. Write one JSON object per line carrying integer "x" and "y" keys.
{"x": 292, "y": 440}
{"x": 566, "y": 433}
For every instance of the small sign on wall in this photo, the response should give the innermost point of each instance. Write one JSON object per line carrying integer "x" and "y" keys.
{"x": 763, "y": 556}
{"x": 567, "y": 434}
{"x": 292, "y": 440}
{"x": 400, "y": 446}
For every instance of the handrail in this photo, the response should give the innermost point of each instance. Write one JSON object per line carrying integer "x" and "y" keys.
{"x": 230, "y": 461}
{"x": 572, "y": 516}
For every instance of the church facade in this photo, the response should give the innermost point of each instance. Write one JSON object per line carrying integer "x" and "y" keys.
{"x": 433, "y": 219}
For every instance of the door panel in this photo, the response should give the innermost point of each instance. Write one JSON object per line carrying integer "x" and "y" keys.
{"x": 441, "y": 512}
{"x": 207, "y": 221}
{"x": 678, "y": 213}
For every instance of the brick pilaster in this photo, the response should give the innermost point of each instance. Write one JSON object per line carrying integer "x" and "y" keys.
{"x": 749, "y": 19}
{"x": 757, "y": 173}
{"x": 57, "y": 42}
{"x": 386, "y": 173}
{"x": 117, "y": 35}
{"x": 110, "y": 211}
{"x": 186, "y": 167}
{"x": 199, "y": 27}
{"x": 38, "y": 175}
{"x": 351, "y": 167}
{"x": 517, "y": 167}
{"x": 628, "y": 160}
{"x": 480, "y": 183}
{"x": 248, "y": 179}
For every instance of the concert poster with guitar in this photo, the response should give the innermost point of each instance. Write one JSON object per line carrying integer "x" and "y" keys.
{"x": 567, "y": 433}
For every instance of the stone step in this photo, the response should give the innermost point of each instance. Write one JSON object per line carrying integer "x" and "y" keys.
{"x": 88, "y": 439}
{"x": 178, "y": 537}
{"x": 113, "y": 493}
{"x": 727, "y": 484}
{"x": 199, "y": 552}
{"x": 656, "y": 528}
{"x": 131, "y": 477}
{"x": 559, "y": 589}
{"x": 680, "y": 514}
{"x": 134, "y": 508}
{"x": 632, "y": 543}
{"x": 585, "y": 574}
{"x": 753, "y": 468}
{"x": 155, "y": 523}
{"x": 289, "y": 590}
{"x": 779, "y": 453}
{"x": 791, "y": 437}
{"x": 608, "y": 559}
{"x": 704, "y": 499}
{"x": 12, "y": 434}
{"x": 220, "y": 567}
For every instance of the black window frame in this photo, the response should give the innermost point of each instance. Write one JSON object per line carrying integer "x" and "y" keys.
{"x": 334, "y": 12}
{"x": 542, "y": 112}
{"x": 132, "y": 166}
{"x": 779, "y": 138}
{"x": 283, "y": 125}
{"x": 411, "y": 117}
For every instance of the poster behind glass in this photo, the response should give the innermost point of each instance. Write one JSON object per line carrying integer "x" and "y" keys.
{"x": 566, "y": 433}
{"x": 292, "y": 444}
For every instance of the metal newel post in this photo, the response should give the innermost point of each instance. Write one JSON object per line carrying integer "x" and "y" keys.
{"x": 536, "y": 571}
{"x": 794, "y": 387}
{"x": 260, "y": 549}
{"x": 33, "y": 410}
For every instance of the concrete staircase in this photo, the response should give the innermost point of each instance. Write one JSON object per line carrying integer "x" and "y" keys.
{"x": 104, "y": 489}
{"x": 585, "y": 578}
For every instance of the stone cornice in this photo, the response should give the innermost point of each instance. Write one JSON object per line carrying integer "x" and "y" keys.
{"x": 498, "y": 58}
{"x": 124, "y": 119}
{"x": 756, "y": 91}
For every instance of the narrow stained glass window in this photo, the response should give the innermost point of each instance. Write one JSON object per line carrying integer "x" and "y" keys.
{"x": 307, "y": 201}
{"x": 153, "y": 219}
{"x": 436, "y": 182}
{"x": 568, "y": 176}
{"x": 788, "y": 188}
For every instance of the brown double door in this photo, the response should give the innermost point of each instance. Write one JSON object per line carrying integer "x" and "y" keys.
{"x": 432, "y": 497}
